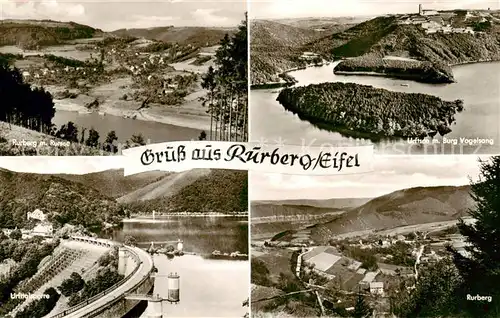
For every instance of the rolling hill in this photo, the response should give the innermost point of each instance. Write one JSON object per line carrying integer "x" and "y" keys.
{"x": 297, "y": 207}
{"x": 323, "y": 22}
{"x": 113, "y": 184}
{"x": 166, "y": 186}
{"x": 30, "y": 34}
{"x": 224, "y": 191}
{"x": 272, "y": 217}
{"x": 404, "y": 207}
{"x": 385, "y": 35}
{"x": 275, "y": 46}
{"x": 196, "y": 190}
{"x": 196, "y": 36}
{"x": 87, "y": 199}
{"x": 63, "y": 200}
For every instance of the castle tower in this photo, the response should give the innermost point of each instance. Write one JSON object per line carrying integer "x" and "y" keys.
{"x": 420, "y": 10}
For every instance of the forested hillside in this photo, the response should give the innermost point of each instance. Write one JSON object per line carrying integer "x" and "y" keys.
{"x": 385, "y": 36}
{"x": 223, "y": 191}
{"x": 64, "y": 201}
{"x": 276, "y": 47}
{"x": 31, "y": 34}
{"x": 196, "y": 36}
{"x": 399, "y": 208}
{"x": 352, "y": 109}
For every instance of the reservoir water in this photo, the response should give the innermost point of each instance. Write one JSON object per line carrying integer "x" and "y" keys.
{"x": 208, "y": 288}
{"x": 478, "y": 85}
{"x": 126, "y": 127}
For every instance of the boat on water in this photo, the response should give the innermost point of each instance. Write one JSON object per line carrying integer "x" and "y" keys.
{"x": 228, "y": 256}
{"x": 405, "y": 85}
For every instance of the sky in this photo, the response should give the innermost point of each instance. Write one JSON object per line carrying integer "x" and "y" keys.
{"x": 390, "y": 173}
{"x": 276, "y": 9}
{"x": 110, "y": 15}
{"x": 60, "y": 164}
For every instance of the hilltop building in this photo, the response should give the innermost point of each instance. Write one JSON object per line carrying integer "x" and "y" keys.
{"x": 37, "y": 215}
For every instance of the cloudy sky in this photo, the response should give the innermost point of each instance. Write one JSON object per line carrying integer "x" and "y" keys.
{"x": 110, "y": 15}
{"x": 391, "y": 173}
{"x": 269, "y": 9}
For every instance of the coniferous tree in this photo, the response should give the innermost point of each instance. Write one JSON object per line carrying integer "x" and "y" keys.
{"x": 82, "y": 137}
{"x": 480, "y": 267}
{"x": 208, "y": 83}
{"x": 137, "y": 140}
{"x": 361, "y": 308}
{"x": 434, "y": 294}
{"x": 93, "y": 139}
{"x": 21, "y": 104}
{"x": 109, "y": 143}
{"x": 202, "y": 136}
{"x": 68, "y": 132}
{"x": 227, "y": 87}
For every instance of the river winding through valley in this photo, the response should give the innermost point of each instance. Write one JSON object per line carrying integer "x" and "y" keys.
{"x": 478, "y": 85}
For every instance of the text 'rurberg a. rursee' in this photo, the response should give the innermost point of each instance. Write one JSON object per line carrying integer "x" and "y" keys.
{"x": 254, "y": 155}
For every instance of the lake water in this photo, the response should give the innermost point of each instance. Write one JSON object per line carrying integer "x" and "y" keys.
{"x": 126, "y": 127}
{"x": 208, "y": 288}
{"x": 477, "y": 84}
{"x": 66, "y": 51}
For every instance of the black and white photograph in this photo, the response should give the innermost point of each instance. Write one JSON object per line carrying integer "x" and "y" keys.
{"x": 87, "y": 242}
{"x": 95, "y": 77}
{"x": 409, "y": 77}
{"x": 417, "y": 237}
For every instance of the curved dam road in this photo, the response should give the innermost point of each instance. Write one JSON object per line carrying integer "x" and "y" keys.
{"x": 144, "y": 270}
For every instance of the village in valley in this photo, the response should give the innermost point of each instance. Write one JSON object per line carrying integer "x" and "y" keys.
{"x": 116, "y": 75}
{"x": 104, "y": 91}
{"x": 374, "y": 265}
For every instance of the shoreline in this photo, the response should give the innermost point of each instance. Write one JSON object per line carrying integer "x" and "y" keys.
{"x": 149, "y": 217}
{"x": 288, "y": 99}
{"x": 405, "y": 77}
{"x": 184, "y": 120}
{"x": 474, "y": 62}
{"x": 260, "y": 86}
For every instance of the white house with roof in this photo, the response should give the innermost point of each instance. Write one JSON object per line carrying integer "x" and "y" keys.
{"x": 42, "y": 230}
{"x": 369, "y": 277}
{"x": 377, "y": 288}
{"x": 37, "y": 215}
{"x": 309, "y": 56}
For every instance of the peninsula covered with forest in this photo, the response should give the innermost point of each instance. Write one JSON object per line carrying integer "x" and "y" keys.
{"x": 420, "y": 71}
{"x": 422, "y": 47}
{"x": 365, "y": 111}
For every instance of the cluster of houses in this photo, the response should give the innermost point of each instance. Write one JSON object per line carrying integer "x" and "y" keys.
{"x": 432, "y": 22}
{"x": 328, "y": 263}
{"x": 43, "y": 227}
